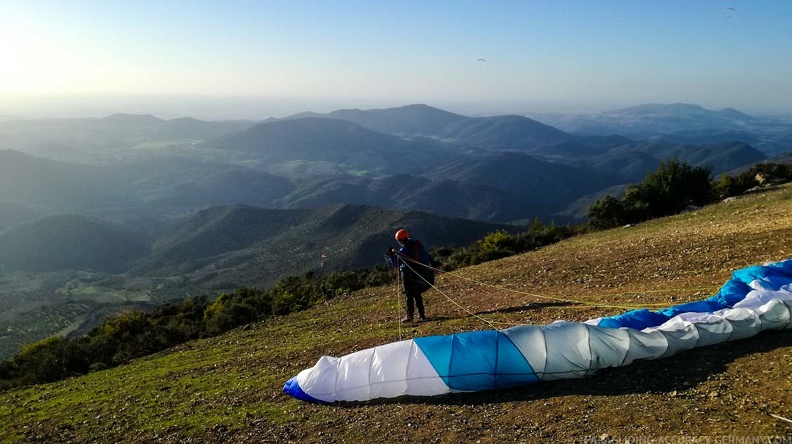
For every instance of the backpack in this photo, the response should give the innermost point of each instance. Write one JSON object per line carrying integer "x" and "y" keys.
{"x": 426, "y": 276}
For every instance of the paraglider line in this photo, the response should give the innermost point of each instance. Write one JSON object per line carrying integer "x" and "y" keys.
{"x": 450, "y": 299}
{"x": 781, "y": 418}
{"x": 572, "y": 301}
{"x": 407, "y": 259}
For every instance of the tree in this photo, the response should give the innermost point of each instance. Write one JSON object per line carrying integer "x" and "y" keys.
{"x": 669, "y": 190}
{"x": 607, "y": 212}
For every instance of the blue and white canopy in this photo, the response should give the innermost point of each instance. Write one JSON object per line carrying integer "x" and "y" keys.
{"x": 755, "y": 299}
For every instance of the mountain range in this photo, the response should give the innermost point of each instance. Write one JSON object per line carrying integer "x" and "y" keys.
{"x": 497, "y": 169}
{"x": 682, "y": 123}
{"x": 133, "y": 208}
{"x": 78, "y": 269}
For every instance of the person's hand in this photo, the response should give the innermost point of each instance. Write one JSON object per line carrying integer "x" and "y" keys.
{"x": 390, "y": 251}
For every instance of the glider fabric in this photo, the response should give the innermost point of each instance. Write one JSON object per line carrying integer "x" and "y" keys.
{"x": 757, "y": 298}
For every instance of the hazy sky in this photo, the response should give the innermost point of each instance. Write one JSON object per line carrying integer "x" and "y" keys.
{"x": 540, "y": 56}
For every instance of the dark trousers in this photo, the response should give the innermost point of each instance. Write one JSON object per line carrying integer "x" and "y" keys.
{"x": 412, "y": 294}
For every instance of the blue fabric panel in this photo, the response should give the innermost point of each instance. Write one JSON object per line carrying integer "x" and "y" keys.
{"x": 480, "y": 360}
{"x": 637, "y": 319}
{"x": 293, "y": 389}
{"x": 473, "y": 361}
{"x": 704, "y": 306}
{"x": 780, "y": 269}
{"x": 512, "y": 368}
{"x": 733, "y": 291}
{"x": 438, "y": 350}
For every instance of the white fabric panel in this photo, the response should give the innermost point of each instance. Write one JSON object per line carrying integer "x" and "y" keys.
{"x": 352, "y": 376}
{"x": 530, "y": 340}
{"x": 714, "y": 330}
{"x": 422, "y": 379}
{"x": 319, "y": 380}
{"x": 389, "y": 369}
{"x": 745, "y": 323}
{"x": 755, "y": 299}
{"x": 645, "y": 344}
{"x": 609, "y": 346}
{"x": 788, "y": 303}
{"x": 769, "y": 283}
{"x": 681, "y": 335}
{"x": 568, "y": 351}
{"x": 774, "y": 315}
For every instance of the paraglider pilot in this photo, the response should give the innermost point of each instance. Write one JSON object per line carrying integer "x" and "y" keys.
{"x": 414, "y": 266}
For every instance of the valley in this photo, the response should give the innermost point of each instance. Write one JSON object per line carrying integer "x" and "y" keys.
{"x": 99, "y": 215}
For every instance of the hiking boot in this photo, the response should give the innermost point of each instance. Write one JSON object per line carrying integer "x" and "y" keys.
{"x": 421, "y": 318}
{"x": 407, "y": 318}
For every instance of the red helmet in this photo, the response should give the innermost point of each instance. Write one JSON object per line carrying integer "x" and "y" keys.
{"x": 402, "y": 234}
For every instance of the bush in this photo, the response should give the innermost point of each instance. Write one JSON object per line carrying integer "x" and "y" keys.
{"x": 669, "y": 190}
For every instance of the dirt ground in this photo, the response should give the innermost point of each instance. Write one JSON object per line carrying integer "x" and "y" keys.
{"x": 734, "y": 392}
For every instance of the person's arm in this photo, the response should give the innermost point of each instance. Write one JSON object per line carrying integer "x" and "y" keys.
{"x": 390, "y": 254}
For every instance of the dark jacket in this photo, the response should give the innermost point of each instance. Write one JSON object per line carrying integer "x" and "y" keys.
{"x": 412, "y": 251}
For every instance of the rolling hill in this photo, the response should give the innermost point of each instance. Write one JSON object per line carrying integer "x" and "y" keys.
{"x": 234, "y": 246}
{"x": 59, "y": 262}
{"x": 417, "y": 119}
{"x": 70, "y": 242}
{"x": 316, "y": 139}
{"x": 412, "y": 157}
{"x": 45, "y": 184}
{"x": 681, "y": 123}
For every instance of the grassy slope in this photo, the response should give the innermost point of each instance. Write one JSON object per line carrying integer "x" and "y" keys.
{"x": 227, "y": 389}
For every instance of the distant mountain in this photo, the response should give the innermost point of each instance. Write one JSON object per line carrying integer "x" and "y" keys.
{"x": 503, "y": 132}
{"x": 56, "y": 186}
{"x": 194, "y": 129}
{"x": 467, "y": 200}
{"x": 314, "y": 139}
{"x": 70, "y": 242}
{"x": 540, "y": 187}
{"x": 313, "y": 162}
{"x": 405, "y": 192}
{"x": 497, "y": 132}
{"x": 578, "y": 210}
{"x": 165, "y": 184}
{"x": 79, "y": 139}
{"x": 416, "y": 120}
{"x": 245, "y": 245}
{"x": 630, "y": 166}
{"x": 12, "y": 214}
{"x": 171, "y": 184}
{"x": 721, "y": 157}
{"x": 222, "y": 229}
{"x": 681, "y": 123}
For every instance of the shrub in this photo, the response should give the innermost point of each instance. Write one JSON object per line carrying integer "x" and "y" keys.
{"x": 669, "y": 190}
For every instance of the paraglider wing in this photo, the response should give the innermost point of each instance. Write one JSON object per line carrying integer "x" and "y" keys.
{"x": 755, "y": 299}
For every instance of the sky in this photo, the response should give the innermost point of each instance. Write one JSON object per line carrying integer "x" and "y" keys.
{"x": 263, "y": 58}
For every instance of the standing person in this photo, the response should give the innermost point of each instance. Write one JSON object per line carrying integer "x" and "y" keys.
{"x": 413, "y": 261}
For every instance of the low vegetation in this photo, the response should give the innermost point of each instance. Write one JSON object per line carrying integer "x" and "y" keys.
{"x": 674, "y": 187}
